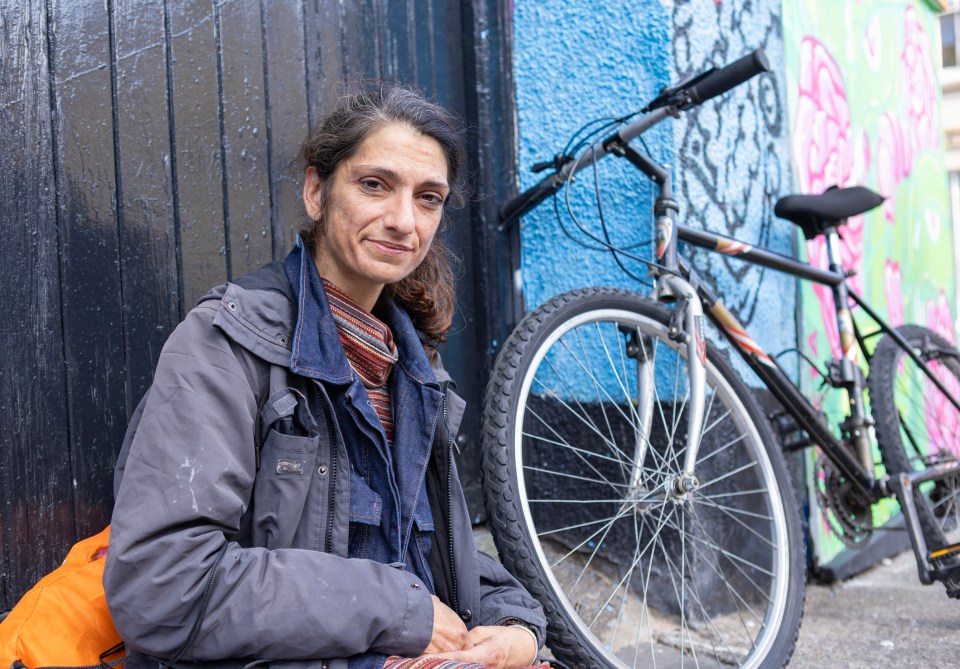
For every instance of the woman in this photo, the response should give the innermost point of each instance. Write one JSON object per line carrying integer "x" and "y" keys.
{"x": 287, "y": 491}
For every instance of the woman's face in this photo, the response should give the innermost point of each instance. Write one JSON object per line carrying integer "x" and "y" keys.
{"x": 382, "y": 210}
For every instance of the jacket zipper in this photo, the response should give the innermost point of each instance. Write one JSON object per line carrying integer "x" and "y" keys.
{"x": 331, "y": 501}
{"x": 453, "y": 565}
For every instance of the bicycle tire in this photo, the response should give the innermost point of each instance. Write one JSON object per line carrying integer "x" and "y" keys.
{"x": 915, "y": 425}
{"x": 723, "y": 581}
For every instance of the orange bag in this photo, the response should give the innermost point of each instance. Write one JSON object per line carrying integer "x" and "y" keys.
{"x": 63, "y": 620}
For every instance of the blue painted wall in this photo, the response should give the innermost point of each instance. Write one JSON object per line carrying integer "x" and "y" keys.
{"x": 575, "y": 61}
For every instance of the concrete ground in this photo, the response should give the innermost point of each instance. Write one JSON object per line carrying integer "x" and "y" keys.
{"x": 882, "y": 618}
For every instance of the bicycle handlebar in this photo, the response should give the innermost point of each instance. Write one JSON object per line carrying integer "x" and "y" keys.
{"x": 671, "y": 100}
{"x": 517, "y": 206}
{"x": 717, "y": 82}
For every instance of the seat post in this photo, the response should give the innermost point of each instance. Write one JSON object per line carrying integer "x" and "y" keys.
{"x": 851, "y": 379}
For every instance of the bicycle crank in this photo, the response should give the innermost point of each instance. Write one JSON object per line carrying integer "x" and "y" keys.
{"x": 851, "y": 519}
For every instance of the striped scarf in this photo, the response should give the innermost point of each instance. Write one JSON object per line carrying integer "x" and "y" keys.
{"x": 368, "y": 343}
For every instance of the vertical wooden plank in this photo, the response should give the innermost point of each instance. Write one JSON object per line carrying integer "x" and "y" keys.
{"x": 196, "y": 140}
{"x": 35, "y": 490}
{"x": 287, "y": 117}
{"x": 244, "y": 135}
{"x": 490, "y": 301}
{"x": 325, "y": 66}
{"x": 361, "y": 43}
{"x": 90, "y": 270}
{"x": 423, "y": 45}
{"x": 447, "y": 35}
{"x": 397, "y": 39}
{"x": 148, "y": 254}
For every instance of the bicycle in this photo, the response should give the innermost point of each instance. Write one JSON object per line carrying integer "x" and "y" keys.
{"x": 633, "y": 483}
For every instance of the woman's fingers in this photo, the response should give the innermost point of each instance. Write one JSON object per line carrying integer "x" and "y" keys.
{"x": 497, "y": 648}
{"x": 449, "y": 632}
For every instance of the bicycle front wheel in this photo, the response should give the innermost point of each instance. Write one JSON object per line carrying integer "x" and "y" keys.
{"x": 584, "y": 444}
{"x": 916, "y": 423}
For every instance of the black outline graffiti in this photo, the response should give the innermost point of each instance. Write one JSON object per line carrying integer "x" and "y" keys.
{"x": 751, "y": 119}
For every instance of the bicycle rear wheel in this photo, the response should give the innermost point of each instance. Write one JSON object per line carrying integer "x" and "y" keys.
{"x": 917, "y": 425}
{"x": 584, "y": 439}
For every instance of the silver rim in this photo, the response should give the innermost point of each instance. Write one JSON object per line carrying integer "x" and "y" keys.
{"x": 650, "y": 576}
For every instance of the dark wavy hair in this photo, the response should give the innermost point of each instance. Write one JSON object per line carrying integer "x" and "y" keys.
{"x": 428, "y": 294}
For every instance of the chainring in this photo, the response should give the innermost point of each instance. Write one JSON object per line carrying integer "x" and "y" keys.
{"x": 844, "y": 507}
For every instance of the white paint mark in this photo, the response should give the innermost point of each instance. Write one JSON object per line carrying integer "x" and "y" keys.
{"x": 192, "y": 466}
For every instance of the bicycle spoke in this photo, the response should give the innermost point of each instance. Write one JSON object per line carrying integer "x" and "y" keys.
{"x": 631, "y": 561}
{"x": 727, "y": 475}
{"x": 695, "y": 592}
{"x": 629, "y": 570}
{"x": 583, "y": 418}
{"x": 733, "y": 557}
{"x": 726, "y": 581}
{"x": 744, "y": 525}
{"x": 593, "y": 554}
{"x": 584, "y": 414}
{"x": 577, "y": 526}
{"x": 551, "y": 472}
{"x": 588, "y": 464}
{"x": 621, "y": 381}
{"x": 586, "y": 541}
{"x": 561, "y": 444}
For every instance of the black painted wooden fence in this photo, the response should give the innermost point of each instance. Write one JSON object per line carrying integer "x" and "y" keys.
{"x": 146, "y": 157}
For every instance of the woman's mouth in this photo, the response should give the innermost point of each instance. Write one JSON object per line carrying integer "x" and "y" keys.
{"x": 389, "y": 248}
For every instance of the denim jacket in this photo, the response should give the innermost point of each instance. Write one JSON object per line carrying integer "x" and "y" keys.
{"x": 235, "y": 459}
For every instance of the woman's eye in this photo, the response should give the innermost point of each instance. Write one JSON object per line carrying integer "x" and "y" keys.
{"x": 432, "y": 199}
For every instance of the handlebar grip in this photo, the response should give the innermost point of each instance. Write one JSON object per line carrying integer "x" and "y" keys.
{"x": 517, "y": 206}
{"x": 720, "y": 81}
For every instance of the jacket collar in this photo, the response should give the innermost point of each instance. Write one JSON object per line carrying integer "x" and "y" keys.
{"x": 316, "y": 350}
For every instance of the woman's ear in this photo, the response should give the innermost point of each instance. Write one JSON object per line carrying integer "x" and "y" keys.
{"x": 313, "y": 193}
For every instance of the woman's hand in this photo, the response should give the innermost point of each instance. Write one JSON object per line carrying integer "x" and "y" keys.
{"x": 497, "y": 648}
{"x": 449, "y": 632}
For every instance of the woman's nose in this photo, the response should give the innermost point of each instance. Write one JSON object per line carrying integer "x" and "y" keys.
{"x": 403, "y": 217}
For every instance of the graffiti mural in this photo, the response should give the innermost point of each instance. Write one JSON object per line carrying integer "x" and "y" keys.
{"x": 732, "y": 155}
{"x": 863, "y": 104}
{"x": 729, "y": 156}
{"x": 575, "y": 61}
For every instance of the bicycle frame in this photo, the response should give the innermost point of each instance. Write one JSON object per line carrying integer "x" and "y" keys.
{"x": 768, "y": 369}
{"x": 774, "y": 377}
{"x": 676, "y": 279}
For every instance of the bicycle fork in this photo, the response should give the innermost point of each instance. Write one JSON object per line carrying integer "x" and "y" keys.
{"x": 685, "y": 328}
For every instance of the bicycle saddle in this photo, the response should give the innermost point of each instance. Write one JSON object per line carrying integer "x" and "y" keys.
{"x": 815, "y": 213}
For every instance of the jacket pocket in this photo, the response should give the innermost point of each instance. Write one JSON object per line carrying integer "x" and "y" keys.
{"x": 287, "y": 461}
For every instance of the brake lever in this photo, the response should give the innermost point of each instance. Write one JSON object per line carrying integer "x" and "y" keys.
{"x": 557, "y": 163}
{"x": 676, "y": 96}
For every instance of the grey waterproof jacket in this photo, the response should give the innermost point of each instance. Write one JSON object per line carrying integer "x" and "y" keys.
{"x": 223, "y": 514}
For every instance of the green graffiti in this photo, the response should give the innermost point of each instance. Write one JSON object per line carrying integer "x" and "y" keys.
{"x": 864, "y": 106}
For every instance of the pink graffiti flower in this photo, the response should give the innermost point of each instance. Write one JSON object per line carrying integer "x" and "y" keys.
{"x": 823, "y": 147}
{"x": 894, "y": 161}
{"x": 940, "y": 318}
{"x": 921, "y": 96}
{"x": 851, "y": 257}
{"x": 893, "y": 291}
{"x": 941, "y": 417}
{"x": 821, "y": 137}
{"x": 812, "y": 344}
